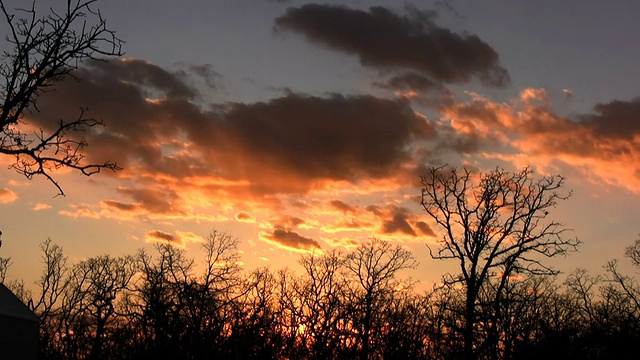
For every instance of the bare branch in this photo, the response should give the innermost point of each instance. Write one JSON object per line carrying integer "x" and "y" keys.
{"x": 43, "y": 51}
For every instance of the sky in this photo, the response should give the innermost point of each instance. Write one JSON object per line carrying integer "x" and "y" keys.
{"x": 301, "y": 126}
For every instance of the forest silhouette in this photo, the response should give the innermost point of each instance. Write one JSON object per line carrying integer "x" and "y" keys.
{"x": 336, "y": 305}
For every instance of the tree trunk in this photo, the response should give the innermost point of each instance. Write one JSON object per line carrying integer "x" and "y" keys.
{"x": 469, "y": 321}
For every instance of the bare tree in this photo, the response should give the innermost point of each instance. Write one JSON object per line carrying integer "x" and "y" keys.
{"x": 97, "y": 283}
{"x": 627, "y": 285}
{"x": 633, "y": 253}
{"x": 4, "y": 266}
{"x": 373, "y": 268}
{"x": 41, "y": 50}
{"x": 182, "y": 313}
{"x": 54, "y": 280}
{"x": 318, "y": 301}
{"x": 494, "y": 225}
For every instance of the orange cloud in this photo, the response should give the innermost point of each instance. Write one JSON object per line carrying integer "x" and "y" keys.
{"x": 179, "y": 238}
{"x": 80, "y": 211}
{"x": 604, "y": 145}
{"x": 7, "y": 196}
{"x": 289, "y": 240}
{"x": 311, "y": 168}
{"x": 41, "y": 206}
{"x": 244, "y": 217}
{"x": 344, "y": 242}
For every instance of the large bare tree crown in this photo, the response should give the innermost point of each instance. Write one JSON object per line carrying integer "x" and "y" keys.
{"x": 39, "y": 51}
{"x": 496, "y": 221}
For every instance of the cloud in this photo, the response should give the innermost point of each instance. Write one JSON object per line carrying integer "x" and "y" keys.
{"x": 179, "y": 238}
{"x": 387, "y": 219}
{"x": 398, "y": 223}
{"x": 604, "y": 144}
{"x": 345, "y": 242}
{"x": 327, "y": 165}
{"x": 153, "y": 79}
{"x": 412, "y": 81}
{"x": 386, "y": 40}
{"x": 283, "y": 221}
{"x": 615, "y": 120}
{"x": 120, "y": 206}
{"x": 244, "y": 217}
{"x": 152, "y": 200}
{"x": 7, "y": 196}
{"x": 81, "y": 211}
{"x": 41, "y": 206}
{"x": 342, "y": 206}
{"x": 425, "y": 229}
{"x": 289, "y": 240}
{"x": 294, "y": 143}
{"x": 295, "y": 140}
{"x": 157, "y": 235}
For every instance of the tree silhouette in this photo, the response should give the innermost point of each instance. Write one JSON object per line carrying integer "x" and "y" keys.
{"x": 493, "y": 224}
{"x": 319, "y": 302}
{"x": 163, "y": 305}
{"x": 372, "y": 269}
{"x": 42, "y": 51}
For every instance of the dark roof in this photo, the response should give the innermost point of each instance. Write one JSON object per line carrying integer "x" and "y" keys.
{"x": 11, "y": 306}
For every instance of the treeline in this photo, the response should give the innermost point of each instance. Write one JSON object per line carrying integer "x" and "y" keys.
{"x": 350, "y": 305}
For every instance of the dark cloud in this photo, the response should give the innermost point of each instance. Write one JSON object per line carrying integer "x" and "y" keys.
{"x": 151, "y": 200}
{"x": 342, "y": 206}
{"x": 204, "y": 73}
{"x": 383, "y": 39}
{"x": 398, "y": 223}
{"x": 616, "y": 119}
{"x": 394, "y": 219}
{"x": 284, "y": 145}
{"x": 425, "y": 229}
{"x": 161, "y": 235}
{"x": 339, "y": 137}
{"x": 290, "y": 221}
{"x": 608, "y": 134}
{"x": 412, "y": 81}
{"x": 291, "y": 239}
{"x": 376, "y": 210}
{"x": 145, "y": 75}
{"x": 120, "y": 205}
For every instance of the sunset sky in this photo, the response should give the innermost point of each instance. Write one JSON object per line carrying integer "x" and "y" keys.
{"x": 299, "y": 126}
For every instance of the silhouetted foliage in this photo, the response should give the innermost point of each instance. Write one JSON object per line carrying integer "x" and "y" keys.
{"x": 162, "y": 304}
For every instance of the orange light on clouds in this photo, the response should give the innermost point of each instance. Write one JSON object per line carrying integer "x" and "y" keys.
{"x": 290, "y": 240}
{"x": 41, "y": 206}
{"x": 7, "y": 196}
{"x": 178, "y": 238}
{"x": 245, "y": 217}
